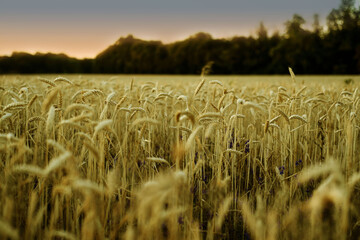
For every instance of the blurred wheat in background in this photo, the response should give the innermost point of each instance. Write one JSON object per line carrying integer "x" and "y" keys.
{"x": 85, "y": 158}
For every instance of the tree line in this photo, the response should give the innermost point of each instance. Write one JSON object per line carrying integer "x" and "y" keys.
{"x": 333, "y": 49}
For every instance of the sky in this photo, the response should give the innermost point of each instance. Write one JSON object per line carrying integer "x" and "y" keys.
{"x": 84, "y": 28}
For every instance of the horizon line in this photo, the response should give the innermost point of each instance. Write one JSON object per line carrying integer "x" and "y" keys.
{"x": 249, "y": 34}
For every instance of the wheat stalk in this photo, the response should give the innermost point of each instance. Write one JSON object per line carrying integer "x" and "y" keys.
{"x": 14, "y": 106}
{"x": 199, "y": 86}
{"x": 292, "y": 74}
{"x": 157, "y": 160}
{"x": 49, "y": 100}
{"x": 47, "y": 81}
{"x": 189, "y": 142}
{"x": 63, "y": 79}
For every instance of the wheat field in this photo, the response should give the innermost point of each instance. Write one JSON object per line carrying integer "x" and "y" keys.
{"x": 100, "y": 157}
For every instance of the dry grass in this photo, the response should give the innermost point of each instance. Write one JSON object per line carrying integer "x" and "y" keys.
{"x": 209, "y": 159}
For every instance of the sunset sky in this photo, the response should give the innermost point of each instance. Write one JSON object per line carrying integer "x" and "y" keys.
{"x": 83, "y": 28}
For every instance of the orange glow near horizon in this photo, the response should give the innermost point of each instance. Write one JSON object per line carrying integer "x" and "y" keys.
{"x": 85, "y": 37}
{"x": 78, "y": 47}
{"x": 82, "y": 39}
{"x": 87, "y": 45}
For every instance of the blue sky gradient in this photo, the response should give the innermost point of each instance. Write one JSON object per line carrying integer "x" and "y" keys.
{"x": 83, "y": 28}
